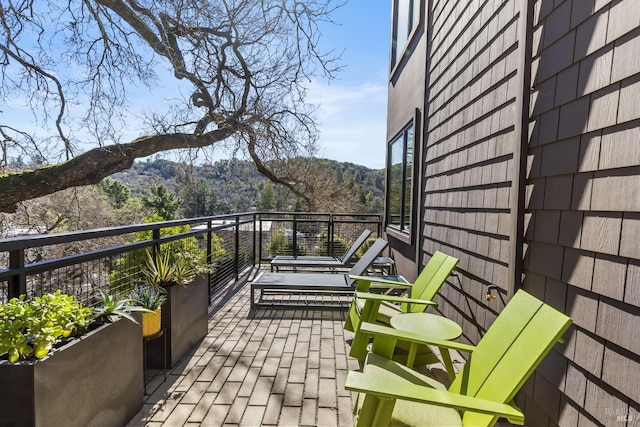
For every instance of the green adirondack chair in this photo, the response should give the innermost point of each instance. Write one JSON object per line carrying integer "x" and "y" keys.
{"x": 520, "y": 337}
{"x": 379, "y": 308}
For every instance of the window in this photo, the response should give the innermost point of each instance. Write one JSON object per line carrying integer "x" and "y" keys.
{"x": 400, "y": 180}
{"x": 406, "y": 17}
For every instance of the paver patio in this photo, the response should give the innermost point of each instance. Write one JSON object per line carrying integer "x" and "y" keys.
{"x": 257, "y": 367}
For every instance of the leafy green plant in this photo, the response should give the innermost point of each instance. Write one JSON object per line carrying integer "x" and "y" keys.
{"x": 148, "y": 297}
{"x": 184, "y": 272}
{"x": 68, "y": 312}
{"x": 126, "y": 273}
{"x": 110, "y": 308}
{"x": 13, "y": 329}
{"x": 339, "y": 246}
{"x": 280, "y": 244}
{"x": 194, "y": 261}
{"x": 30, "y": 328}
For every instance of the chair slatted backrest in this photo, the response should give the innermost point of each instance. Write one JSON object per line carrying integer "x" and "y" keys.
{"x": 360, "y": 267}
{"x": 430, "y": 280}
{"x": 355, "y": 246}
{"x": 514, "y": 345}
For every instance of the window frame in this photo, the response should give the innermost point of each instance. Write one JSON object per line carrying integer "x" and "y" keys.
{"x": 405, "y": 229}
{"x": 399, "y": 53}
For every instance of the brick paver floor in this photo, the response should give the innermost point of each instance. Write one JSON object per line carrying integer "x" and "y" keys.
{"x": 257, "y": 368}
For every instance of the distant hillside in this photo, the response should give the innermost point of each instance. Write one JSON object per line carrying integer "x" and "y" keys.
{"x": 237, "y": 186}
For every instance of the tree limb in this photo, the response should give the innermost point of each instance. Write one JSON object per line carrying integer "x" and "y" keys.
{"x": 94, "y": 165}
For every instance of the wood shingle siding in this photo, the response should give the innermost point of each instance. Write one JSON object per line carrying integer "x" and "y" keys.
{"x": 562, "y": 105}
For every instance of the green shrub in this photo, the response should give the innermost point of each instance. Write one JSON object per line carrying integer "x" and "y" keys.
{"x": 30, "y": 328}
{"x": 183, "y": 256}
{"x": 340, "y": 246}
{"x": 279, "y": 244}
{"x": 165, "y": 270}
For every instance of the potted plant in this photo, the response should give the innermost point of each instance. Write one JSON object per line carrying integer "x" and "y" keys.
{"x": 183, "y": 277}
{"x": 54, "y": 354}
{"x": 111, "y": 308}
{"x": 151, "y": 299}
{"x": 29, "y": 329}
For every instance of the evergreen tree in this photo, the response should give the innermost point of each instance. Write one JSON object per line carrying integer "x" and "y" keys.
{"x": 198, "y": 199}
{"x": 162, "y": 202}
{"x": 116, "y": 191}
{"x": 267, "y": 197}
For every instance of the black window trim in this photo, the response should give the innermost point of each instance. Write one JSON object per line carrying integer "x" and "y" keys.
{"x": 398, "y": 57}
{"x": 404, "y": 235}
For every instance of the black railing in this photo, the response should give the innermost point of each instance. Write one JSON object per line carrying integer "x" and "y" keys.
{"x": 112, "y": 259}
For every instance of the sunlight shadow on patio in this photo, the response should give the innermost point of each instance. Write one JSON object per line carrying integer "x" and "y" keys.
{"x": 257, "y": 367}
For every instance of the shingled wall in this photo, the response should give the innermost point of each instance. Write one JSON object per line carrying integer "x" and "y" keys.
{"x": 473, "y": 90}
{"x": 576, "y": 65}
{"x": 583, "y": 201}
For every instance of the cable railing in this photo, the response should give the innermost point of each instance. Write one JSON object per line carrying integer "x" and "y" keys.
{"x": 113, "y": 259}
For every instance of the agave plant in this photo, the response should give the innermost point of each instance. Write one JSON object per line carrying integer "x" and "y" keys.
{"x": 110, "y": 308}
{"x": 165, "y": 270}
{"x": 148, "y": 297}
{"x": 159, "y": 271}
{"x": 184, "y": 271}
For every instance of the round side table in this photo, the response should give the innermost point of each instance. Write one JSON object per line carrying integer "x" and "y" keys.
{"x": 429, "y": 325}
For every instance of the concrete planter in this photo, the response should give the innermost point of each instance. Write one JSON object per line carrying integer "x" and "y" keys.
{"x": 184, "y": 319}
{"x": 95, "y": 380}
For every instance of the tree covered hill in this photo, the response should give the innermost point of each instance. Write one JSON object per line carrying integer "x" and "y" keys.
{"x": 236, "y": 186}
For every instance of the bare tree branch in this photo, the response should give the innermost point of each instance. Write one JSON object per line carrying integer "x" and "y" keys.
{"x": 245, "y": 65}
{"x": 94, "y": 165}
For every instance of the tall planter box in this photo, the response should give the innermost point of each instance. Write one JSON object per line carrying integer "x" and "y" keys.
{"x": 95, "y": 380}
{"x": 185, "y": 321}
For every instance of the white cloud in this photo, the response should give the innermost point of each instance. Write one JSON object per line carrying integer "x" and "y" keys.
{"x": 352, "y": 121}
{"x": 339, "y": 98}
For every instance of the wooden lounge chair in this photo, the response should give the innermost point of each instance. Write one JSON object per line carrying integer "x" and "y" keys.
{"x": 320, "y": 262}
{"x": 520, "y": 337}
{"x": 379, "y": 308}
{"x": 311, "y": 283}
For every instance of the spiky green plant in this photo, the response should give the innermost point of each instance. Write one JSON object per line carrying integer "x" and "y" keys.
{"x": 110, "y": 308}
{"x": 148, "y": 297}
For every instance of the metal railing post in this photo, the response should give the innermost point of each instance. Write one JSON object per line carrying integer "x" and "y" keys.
{"x": 18, "y": 281}
{"x": 295, "y": 235}
{"x": 260, "y": 241}
{"x": 209, "y": 260}
{"x": 253, "y": 246}
{"x": 155, "y": 235}
{"x": 236, "y": 263}
{"x": 330, "y": 235}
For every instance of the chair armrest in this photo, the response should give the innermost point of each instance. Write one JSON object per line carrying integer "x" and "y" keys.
{"x": 364, "y": 283}
{"x": 391, "y": 298}
{"x": 388, "y": 332}
{"x": 382, "y": 280}
{"x": 388, "y": 388}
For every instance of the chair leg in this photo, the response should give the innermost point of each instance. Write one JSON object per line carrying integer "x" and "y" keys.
{"x": 377, "y": 411}
{"x": 448, "y": 364}
{"x": 359, "y": 346}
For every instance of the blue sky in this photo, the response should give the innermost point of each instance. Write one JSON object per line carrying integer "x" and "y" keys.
{"x": 352, "y": 113}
